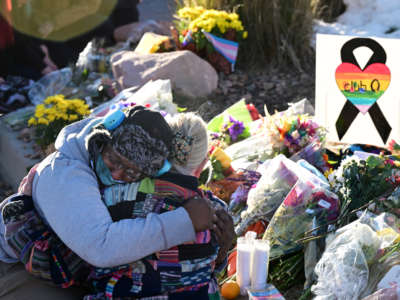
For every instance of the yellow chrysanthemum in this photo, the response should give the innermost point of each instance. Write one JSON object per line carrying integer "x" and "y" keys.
{"x": 190, "y": 13}
{"x": 40, "y": 110}
{"x": 51, "y": 117}
{"x": 43, "y": 121}
{"x": 73, "y": 117}
{"x": 32, "y": 121}
{"x": 245, "y": 34}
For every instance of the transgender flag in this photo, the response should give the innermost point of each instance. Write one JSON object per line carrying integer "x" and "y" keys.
{"x": 227, "y": 48}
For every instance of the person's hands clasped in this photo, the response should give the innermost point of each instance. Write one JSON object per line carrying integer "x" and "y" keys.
{"x": 200, "y": 212}
{"x": 224, "y": 231}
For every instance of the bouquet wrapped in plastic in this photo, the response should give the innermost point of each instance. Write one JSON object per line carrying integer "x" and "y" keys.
{"x": 304, "y": 205}
{"x": 279, "y": 175}
{"x": 350, "y": 267}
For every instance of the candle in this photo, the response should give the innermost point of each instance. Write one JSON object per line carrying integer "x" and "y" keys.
{"x": 259, "y": 264}
{"x": 243, "y": 260}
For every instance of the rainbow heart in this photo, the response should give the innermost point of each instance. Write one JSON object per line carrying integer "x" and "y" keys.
{"x": 362, "y": 87}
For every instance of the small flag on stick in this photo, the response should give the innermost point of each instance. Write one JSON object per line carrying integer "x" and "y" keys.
{"x": 227, "y": 48}
{"x": 188, "y": 38}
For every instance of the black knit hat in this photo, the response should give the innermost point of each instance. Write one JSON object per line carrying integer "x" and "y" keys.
{"x": 144, "y": 138}
{"x": 152, "y": 122}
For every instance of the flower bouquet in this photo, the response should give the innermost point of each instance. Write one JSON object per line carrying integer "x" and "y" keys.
{"x": 214, "y": 35}
{"x": 369, "y": 183}
{"x": 233, "y": 124}
{"x": 304, "y": 205}
{"x": 351, "y": 266}
{"x": 54, "y": 114}
{"x": 291, "y": 133}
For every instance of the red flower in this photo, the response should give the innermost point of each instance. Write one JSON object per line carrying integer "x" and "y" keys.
{"x": 255, "y": 115}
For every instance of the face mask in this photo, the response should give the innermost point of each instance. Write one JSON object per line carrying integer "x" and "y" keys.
{"x": 104, "y": 173}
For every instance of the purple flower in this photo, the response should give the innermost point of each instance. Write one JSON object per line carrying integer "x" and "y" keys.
{"x": 235, "y": 129}
{"x": 215, "y": 136}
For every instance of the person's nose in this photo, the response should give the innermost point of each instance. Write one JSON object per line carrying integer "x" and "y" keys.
{"x": 117, "y": 174}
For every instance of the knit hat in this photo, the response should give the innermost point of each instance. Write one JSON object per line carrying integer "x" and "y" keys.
{"x": 144, "y": 138}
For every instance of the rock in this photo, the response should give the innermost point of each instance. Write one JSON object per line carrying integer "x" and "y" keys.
{"x": 134, "y": 31}
{"x": 189, "y": 74}
{"x": 25, "y": 134}
{"x": 251, "y": 87}
{"x": 268, "y": 86}
{"x": 247, "y": 96}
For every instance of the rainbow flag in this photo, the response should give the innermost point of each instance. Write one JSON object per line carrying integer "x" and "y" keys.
{"x": 228, "y": 49}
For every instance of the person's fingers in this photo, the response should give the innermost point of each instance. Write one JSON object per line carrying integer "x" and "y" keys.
{"x": 218, "y": 232}
{"x": 222, "y": 214}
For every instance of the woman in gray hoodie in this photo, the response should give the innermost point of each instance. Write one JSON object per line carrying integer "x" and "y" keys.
{"x": 66, "y": 192}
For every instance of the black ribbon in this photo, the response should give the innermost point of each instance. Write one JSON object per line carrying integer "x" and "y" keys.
{"x": 349, "y": 111}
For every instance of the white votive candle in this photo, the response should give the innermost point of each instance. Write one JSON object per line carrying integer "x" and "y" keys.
{"x": 243, "y": 260}
{"x": 259, "y": 264}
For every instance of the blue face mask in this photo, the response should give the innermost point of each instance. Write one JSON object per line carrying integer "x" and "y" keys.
{"x": 103, "y": 172}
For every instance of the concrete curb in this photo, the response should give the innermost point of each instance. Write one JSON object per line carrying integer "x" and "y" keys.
{"x": 14, "y": 164}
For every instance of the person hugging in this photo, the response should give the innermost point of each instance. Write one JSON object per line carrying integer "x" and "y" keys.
{"x": 184, "y": 271}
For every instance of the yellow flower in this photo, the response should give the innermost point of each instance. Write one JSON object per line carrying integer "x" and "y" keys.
{"x": 190, "y": 13}
{"x": 40, "y": 110}
{"x": 222, "y": 157}
{"x": 245, "y": 34}
{"x": 73, "y": 117}
{"x": 32, "y": 121}
{"x": 51, "y": 117}
{"x": 328, "y": 172}
{"x": 43, "y": 121}
{"x": 62, "y": 105}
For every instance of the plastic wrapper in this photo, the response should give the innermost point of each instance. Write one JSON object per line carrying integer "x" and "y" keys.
{"x": 19, "y": 117}
{"x": 305, "y": 204}
{"x": 313, "y": 154}
{"x": 154, "y": 94}
{"x": 49, "y": 85}
{"x": 249, "y": 152}
{"x": 349, "y": 267}
{"x": 13, "y": 93}
{"x": 96, "y": 58}
{"x": 279, "y": 175}
{"x": 392, "y": 293}
{"x": 301, "y": 107}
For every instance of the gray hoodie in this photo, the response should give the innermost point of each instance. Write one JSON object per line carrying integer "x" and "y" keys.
{"x": 66, "y": 193}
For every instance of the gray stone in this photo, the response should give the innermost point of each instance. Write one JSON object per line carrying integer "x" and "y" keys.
{"x": 268, "y": 86}
{"x": 189, "y": 74}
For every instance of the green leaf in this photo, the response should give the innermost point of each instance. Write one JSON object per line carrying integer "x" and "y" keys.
{"x": 373, "y": 161}
{"x": 181, "y": 109}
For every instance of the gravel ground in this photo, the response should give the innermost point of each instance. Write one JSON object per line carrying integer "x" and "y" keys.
{"x": 274, "y": 88}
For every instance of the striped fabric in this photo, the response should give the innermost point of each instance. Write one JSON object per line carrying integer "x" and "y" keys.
{"x": 185, "y": 267}
{"x": 188, "y": 38}
{"x": 227, "y": 48}
{"x": 36, "y": 245}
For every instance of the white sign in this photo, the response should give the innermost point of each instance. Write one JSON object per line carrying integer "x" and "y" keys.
{"x": 357, "y": 95}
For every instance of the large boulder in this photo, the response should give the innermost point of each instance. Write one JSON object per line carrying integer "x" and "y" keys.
{"x": 189, "y": 74}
